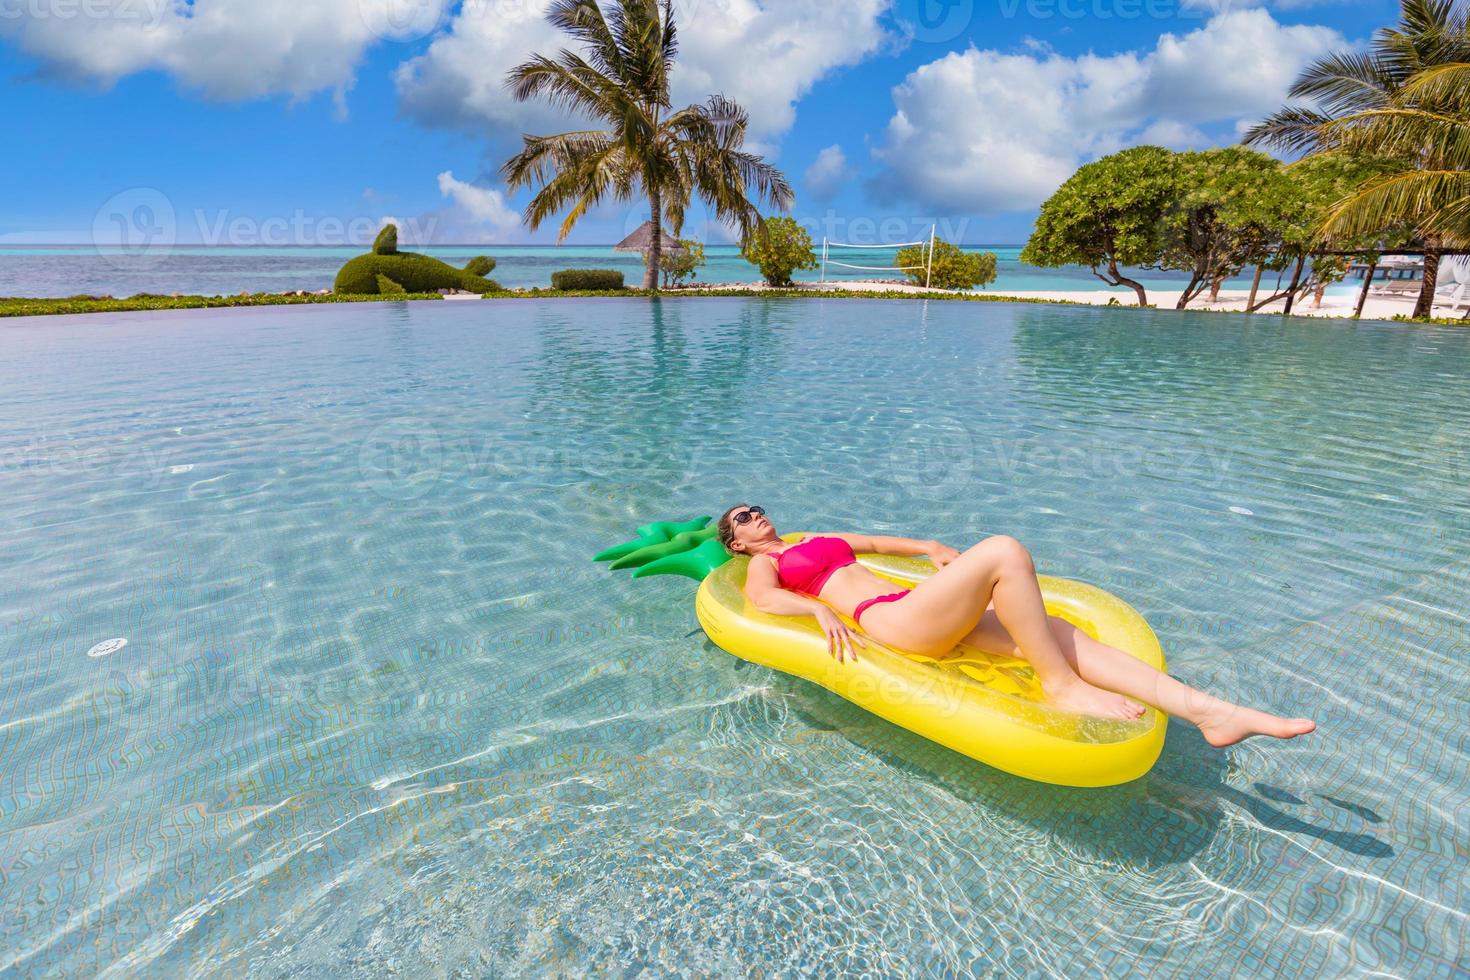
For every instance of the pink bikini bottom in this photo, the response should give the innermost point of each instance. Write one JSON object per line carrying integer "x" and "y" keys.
{"x": 857, "y": 614}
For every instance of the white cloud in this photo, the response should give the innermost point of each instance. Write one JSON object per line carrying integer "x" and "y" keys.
{"x": 1173, "y": 134}
{"x": 477, "y": 213}
{"x": 764, "y": 54}
{"x": 1238, "y": 64}
{"x": 983, "y": 131}
{"x": 224, "y": 49}
{"x": 828, "y": 172}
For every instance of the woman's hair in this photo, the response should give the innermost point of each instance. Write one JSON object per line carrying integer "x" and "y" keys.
{"x": 727, "y": 529}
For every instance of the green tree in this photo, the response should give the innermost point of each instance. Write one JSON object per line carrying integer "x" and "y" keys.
{"x": 681, "y": 265}
{"x": 1223, "y": 218}
{"x": 1298, "y": 208}
{"x": 778, "y": 247}
{"x": 953, "y": 268}
{"x": 647, "y": 147}
{"x": 1109, "y": 214}
{"x": 1404, "y": 97}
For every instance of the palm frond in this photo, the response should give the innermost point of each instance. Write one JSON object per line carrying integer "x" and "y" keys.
{"x": 583, "y": 20}
{"x": 568, "y": 82}
{"x": 1347, "y": 81}
{"x": 1293, "y": 128}
{"x": 1439, "y": 140}
{"x": 542, "y": 156}
{"x": 1434, "y": 202}
{"x": 1446, "y": 85}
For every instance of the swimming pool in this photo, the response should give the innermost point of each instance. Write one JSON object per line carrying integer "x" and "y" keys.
{"x": 378, "y": 709}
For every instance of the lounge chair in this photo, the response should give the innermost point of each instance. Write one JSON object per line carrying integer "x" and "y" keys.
{"x": 1458, "y": 298}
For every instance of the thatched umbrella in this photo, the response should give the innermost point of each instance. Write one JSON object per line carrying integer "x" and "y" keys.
{"x": 642, "y": 239}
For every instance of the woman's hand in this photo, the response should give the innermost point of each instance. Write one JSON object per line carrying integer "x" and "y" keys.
{"x": 839, "y": 638}
{"x": 941, "y": 554}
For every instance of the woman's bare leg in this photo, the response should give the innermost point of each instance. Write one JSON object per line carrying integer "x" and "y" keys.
{"x": 943, "y": 608}
{"x": 1221, "y": 722}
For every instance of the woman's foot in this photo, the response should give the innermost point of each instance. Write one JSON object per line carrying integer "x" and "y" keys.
{"x": 1079, "y": 696}
{"x": 1234, "y": 724}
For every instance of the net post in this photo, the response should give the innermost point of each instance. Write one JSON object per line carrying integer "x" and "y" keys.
{"x": 929, "y": 274}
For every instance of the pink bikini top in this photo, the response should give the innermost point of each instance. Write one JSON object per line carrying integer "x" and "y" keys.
{"x": 807, "y": 566}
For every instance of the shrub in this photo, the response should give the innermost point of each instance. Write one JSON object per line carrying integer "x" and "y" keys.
{"x": 593, "y": 279}
{"x": 678, "y": 266}
{"x": 411, "y": 271}
{"x": 778, "y": 247}
{"x": 387, "y": 241}
{"x": 953, "y": 268}
{"x": 387, "y": 287}
{"x": 480, "y": 265}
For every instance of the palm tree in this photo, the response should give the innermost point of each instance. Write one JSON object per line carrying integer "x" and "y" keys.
{"x": 622, "y": 79}
{"x": 1393, "y": 99}
{"x": 1432, "y": 122}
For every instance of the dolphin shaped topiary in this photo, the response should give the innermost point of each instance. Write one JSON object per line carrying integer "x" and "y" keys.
{"x": 414, "y": 272}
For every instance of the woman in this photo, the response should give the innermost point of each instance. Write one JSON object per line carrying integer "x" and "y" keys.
{"x": 987, "y": 598}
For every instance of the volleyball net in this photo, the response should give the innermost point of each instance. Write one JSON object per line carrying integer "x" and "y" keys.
{"x": 927, "y": 267}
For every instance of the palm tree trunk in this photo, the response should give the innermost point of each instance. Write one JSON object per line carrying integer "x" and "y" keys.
{"x": 1250, "y": 304}
{"x": 655, "y": 247}
{"x": 1363, "y": 293}
{"x": 1425, "y": 307}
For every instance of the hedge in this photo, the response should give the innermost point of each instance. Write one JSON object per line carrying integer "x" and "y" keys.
{"x": 594, "y": 279}
{"x": 480, "y": 265}
{"x": 387, "y": 241}
{"x": 414, "y": 272}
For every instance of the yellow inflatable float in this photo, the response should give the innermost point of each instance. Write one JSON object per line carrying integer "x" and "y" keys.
{"x": 988, "y": 708}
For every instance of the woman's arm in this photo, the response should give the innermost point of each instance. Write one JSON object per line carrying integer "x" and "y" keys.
{"x": 879, "y": 545}
{"x": 762, "y": 587}
{"x": 763, "y": 591}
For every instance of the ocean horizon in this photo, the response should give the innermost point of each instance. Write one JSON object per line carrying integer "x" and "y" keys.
{"x": 52, "y": 270}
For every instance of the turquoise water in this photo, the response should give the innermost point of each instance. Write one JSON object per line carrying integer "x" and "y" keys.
{"x": 218, "y": 270}
{"x": 378, "y": 711}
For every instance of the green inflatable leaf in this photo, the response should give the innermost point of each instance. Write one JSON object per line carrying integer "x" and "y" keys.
{"x": 658, "y": 532}
{"x": 696, "y": 563}
{"x": 690, "y": 548}
{"x": 686, "y": 541}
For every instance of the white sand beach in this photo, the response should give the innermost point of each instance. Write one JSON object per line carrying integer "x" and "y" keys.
{"x": 1341, "y": 304}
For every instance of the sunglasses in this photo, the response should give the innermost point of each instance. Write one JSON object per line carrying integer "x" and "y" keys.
{"x": 745, "y": 516}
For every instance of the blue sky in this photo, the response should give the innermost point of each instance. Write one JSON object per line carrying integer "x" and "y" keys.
{"x": 311, "y": 121}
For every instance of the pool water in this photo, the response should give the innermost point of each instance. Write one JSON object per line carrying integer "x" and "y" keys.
{"x": 378, "y": 711}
